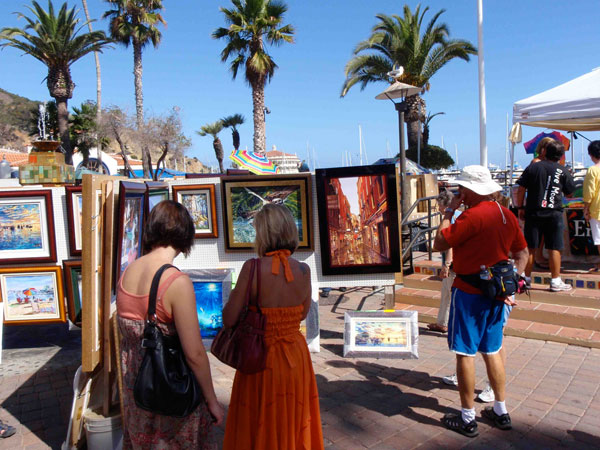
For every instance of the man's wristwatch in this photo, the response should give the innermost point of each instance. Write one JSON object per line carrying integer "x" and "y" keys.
{"x": 449, "y": 210}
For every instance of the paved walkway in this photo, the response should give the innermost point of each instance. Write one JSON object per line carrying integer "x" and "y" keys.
{"x": 553, "y": 390}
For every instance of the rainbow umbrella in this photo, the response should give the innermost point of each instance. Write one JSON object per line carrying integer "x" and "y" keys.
{"x": 255, "y": 163}
{"x": 531, "y": 145}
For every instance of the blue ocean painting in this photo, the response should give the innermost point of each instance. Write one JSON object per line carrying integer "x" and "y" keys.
{"x": 381, "y": 334}
{"x": 209, "y": 307}
{"x": 20, "y": 227}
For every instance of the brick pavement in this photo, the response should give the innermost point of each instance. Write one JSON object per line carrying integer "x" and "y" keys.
{"x": 553, "y": 392}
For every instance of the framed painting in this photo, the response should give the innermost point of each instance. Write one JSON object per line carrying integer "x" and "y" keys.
{"x": 32, "y": 295}
{"x": 132, "y": 197}
{"x": 73, "y": 289}
{"x": 74, "y": 197}
{"x": 157, "y": 191}
{"x": 212, "y": 288}
{"x": 358, "y": 219}
{"x": 381, "y": 334}
{"x": 27, "y": 227}
{"x": 244, "y": 196}
{"x": 199, "y": 199}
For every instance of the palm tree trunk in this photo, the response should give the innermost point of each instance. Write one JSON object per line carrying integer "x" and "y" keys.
{"x": 137, "y": 79}
{"x": 258, "y": 103}
{"x": 414, "y": 116}
{"x": 413, "y": 129}
{"x": 218, "y": 146}
{"x": 98, "y": 83}
{"x": 63, "y": 127}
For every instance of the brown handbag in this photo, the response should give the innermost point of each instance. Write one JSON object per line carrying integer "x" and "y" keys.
{"x": 243, "y": 345}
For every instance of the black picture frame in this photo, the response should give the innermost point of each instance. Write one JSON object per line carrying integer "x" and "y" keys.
{"x": 363, "y": 239}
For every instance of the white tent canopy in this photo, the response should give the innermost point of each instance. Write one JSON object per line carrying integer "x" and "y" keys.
{"x": 572, "y": 106}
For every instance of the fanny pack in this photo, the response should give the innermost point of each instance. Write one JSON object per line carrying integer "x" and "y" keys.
{"x": 503, "y": 281}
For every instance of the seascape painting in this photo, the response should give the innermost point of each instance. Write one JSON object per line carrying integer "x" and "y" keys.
{"x": 77, "y": 213}
{"x": 30, "y": 296}
{"x": 209, "y": 307}
{"x": 381, "y": 334}
{"x": 21, "y": 226}
{"x": 131, "y": 246}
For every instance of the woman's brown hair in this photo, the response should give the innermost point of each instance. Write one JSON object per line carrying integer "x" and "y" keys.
{"x": 169, "y": 225}
{"x": 275, "y": 229}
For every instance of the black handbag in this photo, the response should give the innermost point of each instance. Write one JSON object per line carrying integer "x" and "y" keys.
{"x": 164, "y": 384}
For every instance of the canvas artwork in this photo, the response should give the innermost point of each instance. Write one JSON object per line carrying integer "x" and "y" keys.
{"x": 381, "y": 334}
{"x": 26, "y": 227}
{"x": 31, "y": 296}
{"x": 199, "y": 200}
{"x": 155, "y": 198}
{"x": 73, "y": 289}
{"x": 157, "y": 192}
{"x": 132, "y": 232}
{"x": 74, "y": 197}
{"x": 358, "y": 220}
{"x": 243, "y": 198}
{"x": 212, "y": 288}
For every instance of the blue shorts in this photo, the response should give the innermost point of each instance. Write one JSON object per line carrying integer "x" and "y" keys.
{"x": 475, "y": 324}
{"x": 506, "y": 313}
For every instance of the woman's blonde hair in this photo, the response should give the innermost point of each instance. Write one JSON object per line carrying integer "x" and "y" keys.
{"x": 275, "y": 229}
{"x": 541, "y": 146}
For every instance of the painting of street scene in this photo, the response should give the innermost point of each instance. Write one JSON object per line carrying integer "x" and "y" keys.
{"x": 377, "y": 334}
{"x": 21, "y": 226}
{"x": 357, "y": 221}
{"x": 209, "y": 307}
{"x": 30, "y": 296}
{"x": 198, "y": 205}
{"x": 246, "y": 201}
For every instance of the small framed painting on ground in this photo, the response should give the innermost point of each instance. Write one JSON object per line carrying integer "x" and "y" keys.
{"x": 199, "y": 199}
{"x": 381, "y": 334}
{"x": 244, "y": 196}
{"x": 74, "y": 197}
{"x": 32, "y": 295}
{"x": 212, "y": 288}
{"x": 130, "y": 221}
{"x": 157, "y": 191}
{"x": 358, "y": 220}
{"x": 26, "y": 227}
{"x": 73, "y": 289}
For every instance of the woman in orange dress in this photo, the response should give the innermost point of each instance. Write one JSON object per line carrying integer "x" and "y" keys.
{"x": 277, "y": 408}
{"x": 168, "y": 232}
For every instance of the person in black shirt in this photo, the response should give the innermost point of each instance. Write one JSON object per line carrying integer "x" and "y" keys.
{"x": 545, "y": 182}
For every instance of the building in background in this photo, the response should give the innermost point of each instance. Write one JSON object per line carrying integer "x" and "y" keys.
{"x": 286, "y": 162}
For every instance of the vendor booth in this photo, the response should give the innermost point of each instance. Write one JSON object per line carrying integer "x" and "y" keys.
{"x": 572, "y": 106}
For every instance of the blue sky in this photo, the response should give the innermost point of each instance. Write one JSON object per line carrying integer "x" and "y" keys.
{"x": 530, "y": 46}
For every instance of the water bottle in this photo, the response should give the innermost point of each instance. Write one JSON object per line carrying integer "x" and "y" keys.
{"x": 484, "y": 274}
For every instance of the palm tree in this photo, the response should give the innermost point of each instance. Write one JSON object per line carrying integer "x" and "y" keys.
{"x": 232, "y": 122}
{"x": 214, "y": 129}
{"x": 426, "y": 127}
{"x": 398, "y": 42}
{"x": 251, "y": 22}
{"x": 134, "y": 22}
{"x": 56, "y": 41}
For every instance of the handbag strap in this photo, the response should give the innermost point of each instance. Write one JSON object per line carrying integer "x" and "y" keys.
{"x": 255, "y": 264}
{"x": 154, "y": 291}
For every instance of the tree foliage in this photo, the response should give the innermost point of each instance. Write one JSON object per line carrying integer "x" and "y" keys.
{"x": 432, "y": 157}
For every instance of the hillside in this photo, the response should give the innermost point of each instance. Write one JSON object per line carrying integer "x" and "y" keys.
{"x": 15, "y": 117}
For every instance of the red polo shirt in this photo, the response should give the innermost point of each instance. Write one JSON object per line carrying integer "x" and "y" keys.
{"x": 480, "y": 236}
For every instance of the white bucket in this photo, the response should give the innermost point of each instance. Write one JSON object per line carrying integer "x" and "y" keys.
{"x": 103, "y": 432}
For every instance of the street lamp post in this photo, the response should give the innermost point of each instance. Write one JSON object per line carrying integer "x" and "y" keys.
{"x": 400, "y": 90}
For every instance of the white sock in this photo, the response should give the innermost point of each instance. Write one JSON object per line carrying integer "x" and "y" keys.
{"x": 500, "y": 408}
{"x": 556, "y": 280}
{"x": 468, "y": 415}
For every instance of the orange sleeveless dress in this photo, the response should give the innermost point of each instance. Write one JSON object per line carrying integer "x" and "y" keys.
{"x": 277, "y": 408}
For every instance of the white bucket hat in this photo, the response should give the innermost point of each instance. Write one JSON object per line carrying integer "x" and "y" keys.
{"x": 478, "y": 179}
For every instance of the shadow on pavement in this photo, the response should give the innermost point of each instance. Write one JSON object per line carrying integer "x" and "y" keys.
{"x": 39, "y": 363}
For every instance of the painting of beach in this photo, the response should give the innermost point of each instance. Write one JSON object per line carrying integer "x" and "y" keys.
{"x": 20, "y": 226}
{"x": 380, "y": 334}
{"x": 31, "y": 296}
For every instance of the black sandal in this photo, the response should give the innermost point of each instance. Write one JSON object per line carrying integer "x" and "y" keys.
{"x": 501, "y": 421}
{"x": 6, "y": 430}
{"x": 455, "y": 422}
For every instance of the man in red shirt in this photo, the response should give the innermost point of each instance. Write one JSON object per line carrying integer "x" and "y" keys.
{"x": 483, "y": 235}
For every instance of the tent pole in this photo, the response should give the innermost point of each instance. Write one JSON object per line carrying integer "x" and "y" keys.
{"x": 482, "y": 107}
{"x": 572, "y": 153}
{"x": 512, "y": 165}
